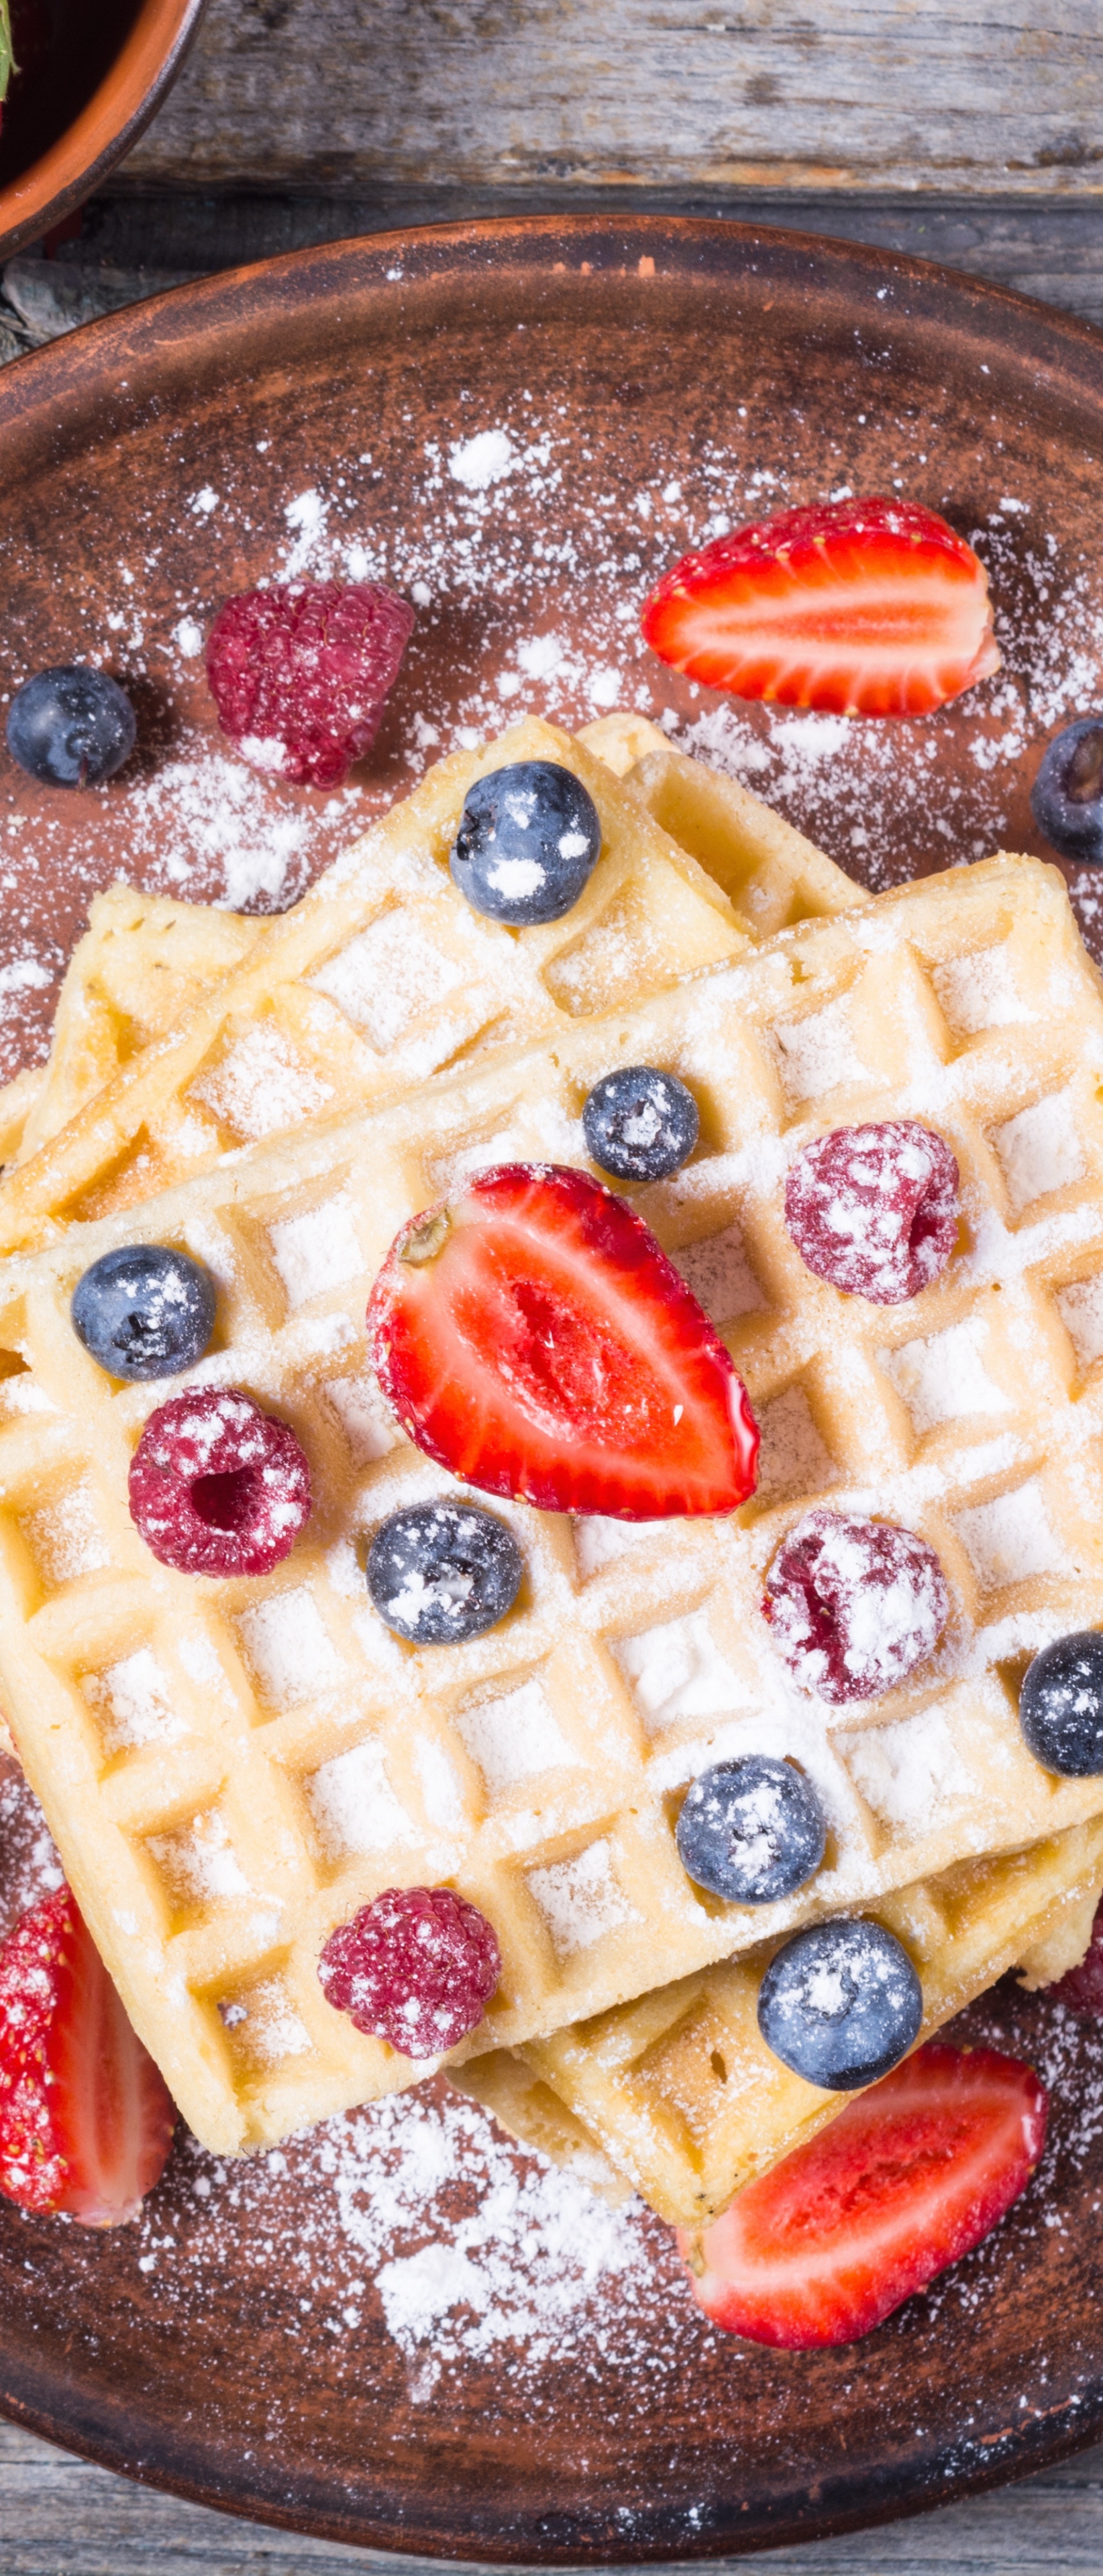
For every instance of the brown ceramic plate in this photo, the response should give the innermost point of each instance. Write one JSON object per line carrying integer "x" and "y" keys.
{"x": 76, "y": 108}
{"x": 402, "y": 2333}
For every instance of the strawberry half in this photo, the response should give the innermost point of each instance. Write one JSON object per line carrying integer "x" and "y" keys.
{"x": 533, "y": 1337}
{"x": 908, "y": 2178}
{"x": 86, "y": 2121}
{"x": 860, "y": 608}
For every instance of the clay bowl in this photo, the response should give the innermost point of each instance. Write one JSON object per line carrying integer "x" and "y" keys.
{"x": 69, "y": 118}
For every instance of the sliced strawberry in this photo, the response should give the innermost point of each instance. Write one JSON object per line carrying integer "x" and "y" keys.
{"x": 908, "y": 2178}
{"x": 86, "y": 2121}
{"x": 533, "y": 1337}
{"x": 861, "y": 608}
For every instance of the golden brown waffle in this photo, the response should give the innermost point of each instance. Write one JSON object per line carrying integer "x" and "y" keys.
{"x": 208, "y": 1835}
{"x": 677, "y": 2095}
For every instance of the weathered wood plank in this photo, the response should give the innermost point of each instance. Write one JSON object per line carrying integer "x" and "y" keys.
{"x": 974, "y": 95}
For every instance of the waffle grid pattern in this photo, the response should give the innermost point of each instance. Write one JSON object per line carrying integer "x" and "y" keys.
{"x": 232, "y": 1769}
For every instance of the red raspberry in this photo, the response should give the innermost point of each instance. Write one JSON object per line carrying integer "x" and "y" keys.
{"x": 299, "y": 674}
{"x": 854, "y": 1605}
{"x": 416, "y": 1967}
{"x": 217, "y": 1486}
{"x": 1081, "y": 1988}
{"x": 874, "y": 1210}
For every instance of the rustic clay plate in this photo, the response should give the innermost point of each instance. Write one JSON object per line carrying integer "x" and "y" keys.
{"x": 401, "y": 2332}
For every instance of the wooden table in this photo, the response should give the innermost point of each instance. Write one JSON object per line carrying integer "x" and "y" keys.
{"x": 967, "y": 131}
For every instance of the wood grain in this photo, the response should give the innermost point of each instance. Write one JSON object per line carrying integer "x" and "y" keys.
{"x": 976, "y": 95}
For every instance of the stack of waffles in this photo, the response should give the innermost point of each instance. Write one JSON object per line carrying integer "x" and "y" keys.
{"x": 232, "y": 1768}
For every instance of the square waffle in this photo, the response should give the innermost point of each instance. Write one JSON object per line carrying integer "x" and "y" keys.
{"x": 189, "y": 1741}
{"x": 677, "y": 2096}
{"x": 382, "y": 976}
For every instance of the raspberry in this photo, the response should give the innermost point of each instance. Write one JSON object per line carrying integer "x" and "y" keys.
{"x": 854, "y": 1605}
{"x": 874, "y": 1210}
{"x": 415, "y": 1967}
{"x": 299, "y": 674}
{"x": 217, "y": 1486}
{"x": 1081, "y": 1988}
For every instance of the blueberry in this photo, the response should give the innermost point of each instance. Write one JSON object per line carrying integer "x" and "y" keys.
{"x": 640, "y": 1124}
{"x": 841, "y": 2004}
{"x": 1066, "y": 799}
{"x": 528, "y": 842}
{"x": 752, "y": 1830}
{"x": 71, "y": 727}
{"x": 1061, "y": 1705}
{"x": 441, "y": 1571}
{"x": 144, "y": 1311}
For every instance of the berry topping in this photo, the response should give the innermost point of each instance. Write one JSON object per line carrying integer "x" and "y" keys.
{"x": 532, "y": 1337}
{"x": 752, "y": 1830}
{"x": 874, "y": 1210}
{"x": 417, "y": 1967}
{"x": 1066, "y": 799}
{"x": 528, "y": 842}
{"x": 299, "y": 674}
{"x": 86, "y": 2121}
{"x": 217, "y": 1486}
{"x": 144, "y": 1311}
{"x": 902, "y": 2183}
{"x": 442, "y": 1571}
{"x": 1081, "y": 1988}
{"x": 71, "y": 727}
{"x": 854, "y": 1605}
{"x": 1061, "y": 1705}
{"x": 862, "y": 608}
{"x": 640, "y": 1124}
{"x": 840, "y": 2004}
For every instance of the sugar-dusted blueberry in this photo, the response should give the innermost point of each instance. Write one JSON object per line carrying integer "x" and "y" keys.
{"x": 218, "y": 1487}
{"x": 751, "y": 1829}
{"x": 144, "y": 1311}
{"x": 1061, "y": 1705}
{"x": 1066, "y": 799}
{"x": 874, "y": 1210}
{"x": 527, "y": 844}
{"x": 71, "y": 727}
{"x": 640, "y": 1124}
{"x": 854, "y": 1605}
{"x": 438, "y": 1572}
{"x": 841, "y": 2004}
{"x": 416, "y": 1967}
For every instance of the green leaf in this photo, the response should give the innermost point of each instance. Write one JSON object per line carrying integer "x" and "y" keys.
{"x": 6, "y": 64}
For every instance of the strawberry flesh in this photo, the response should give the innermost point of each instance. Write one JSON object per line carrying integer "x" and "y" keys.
{"x": 533, "y": 1337}
{"x": 909, "y": 2178}
{"x": 861, "y": 607}
{"x": 86, "y": 2120}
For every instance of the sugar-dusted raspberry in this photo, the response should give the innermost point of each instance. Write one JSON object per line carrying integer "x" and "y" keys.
{"x": 874, "y": 1210}
{"x": 1081, "y": 1988}
{"x": 217, "y": 1486}
{"x": 299, "y": 674}
{"x": 854, "y": 1605}
{"x": 416, "y": 1967}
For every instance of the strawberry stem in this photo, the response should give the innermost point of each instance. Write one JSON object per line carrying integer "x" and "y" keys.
{"x": 7, "y": 61}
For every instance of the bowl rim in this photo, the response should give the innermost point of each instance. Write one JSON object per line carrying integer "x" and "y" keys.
{"x": 120, "y": 109}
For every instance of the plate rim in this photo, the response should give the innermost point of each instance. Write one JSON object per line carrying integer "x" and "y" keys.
{"x": 72, "y": 370}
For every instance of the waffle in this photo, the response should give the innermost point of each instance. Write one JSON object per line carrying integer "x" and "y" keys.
{"x": 381, "y": 977}
{"x": 677, "y": 2096}
{"x": 189, "y": 1741}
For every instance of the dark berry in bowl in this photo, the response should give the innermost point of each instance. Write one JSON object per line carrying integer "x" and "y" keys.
{"x": 874, "y": 1210}
{"x": 144, "y": 1311}
{"x": 527, "y": 844}
{"x": 416, "y": 1967}
{"x": 1066, "y": 799}
{"x": 218, "y": 1487}
{"x": 439, "y": 1572}
{"x": 71, "y": 727}
{"x": 1061, "y": 1706}
{"x": 751, "y": 1830}
{"x": 841, "y": 2004}
{"x": 640, "y": 1124}
{"x": 854, "y": 1605}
